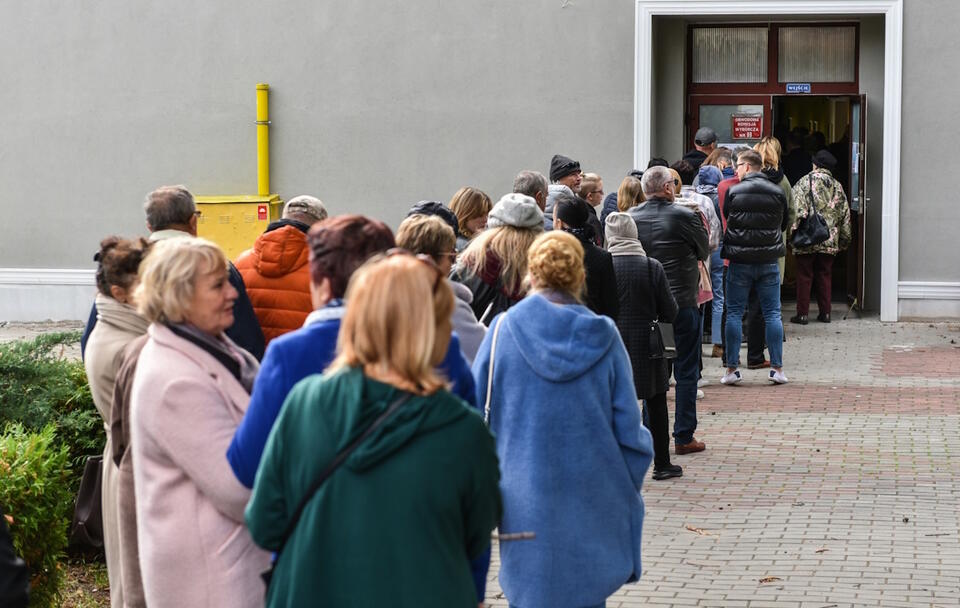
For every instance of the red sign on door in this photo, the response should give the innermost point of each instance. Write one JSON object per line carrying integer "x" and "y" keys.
{"x": 261, "y": 212}
{"x": 747, "y": 126}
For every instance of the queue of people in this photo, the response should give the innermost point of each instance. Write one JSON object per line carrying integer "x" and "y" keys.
{"x": 356, "y": 411}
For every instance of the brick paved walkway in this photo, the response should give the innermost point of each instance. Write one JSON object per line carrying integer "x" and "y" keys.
{"x": 839, "y": 489}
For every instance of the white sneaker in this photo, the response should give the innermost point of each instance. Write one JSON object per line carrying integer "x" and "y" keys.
{"x": 778, "y": 377}
{"x": 699, "y": 394}
{"x": 733, "y": 377}
{"x": 702, "y": 382}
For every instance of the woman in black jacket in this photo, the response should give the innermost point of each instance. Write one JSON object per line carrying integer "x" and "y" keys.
{"x": 644, "y": 296}
{"x": 571, "y": 214}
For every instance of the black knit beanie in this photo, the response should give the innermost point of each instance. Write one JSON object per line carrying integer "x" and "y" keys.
{"x": 561, "y": 166}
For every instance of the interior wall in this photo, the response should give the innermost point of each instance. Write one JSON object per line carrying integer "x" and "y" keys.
{"x": 669, "y": 107}
{"x": 669, "y": 83}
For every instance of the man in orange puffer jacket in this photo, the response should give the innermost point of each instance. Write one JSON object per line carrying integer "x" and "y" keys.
{"x": 276, "y": 270}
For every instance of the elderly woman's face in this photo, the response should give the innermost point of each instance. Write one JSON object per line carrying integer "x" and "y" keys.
{"x": 212, "y": 308}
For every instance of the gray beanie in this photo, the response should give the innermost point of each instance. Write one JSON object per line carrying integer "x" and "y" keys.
{"x": 517, "y": 210}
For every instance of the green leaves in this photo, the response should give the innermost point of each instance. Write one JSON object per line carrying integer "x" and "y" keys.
{"x": 34, "y": 492}
{"x": 48, "y": 426}
{"x": 40, "y": 385}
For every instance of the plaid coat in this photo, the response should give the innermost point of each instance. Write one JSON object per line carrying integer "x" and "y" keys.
{"x": 828, "y": 199}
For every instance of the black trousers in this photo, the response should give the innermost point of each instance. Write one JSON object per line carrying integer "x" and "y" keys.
{"x": 657, "y": 421}
{"x": 755, "y": 327}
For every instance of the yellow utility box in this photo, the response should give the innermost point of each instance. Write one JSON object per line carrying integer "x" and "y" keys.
{"x": 235, "y": 222}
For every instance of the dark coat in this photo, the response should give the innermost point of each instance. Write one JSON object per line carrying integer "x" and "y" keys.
{"x": 490, "y": 297}
{"x": 695, "y": 158}
{"x": 757, "y": 214}
{"x": 601, "y": 282}
{"x": 609, "y": 206}
{"x": 644, "y": 296}
{"x": 676, "y": 237}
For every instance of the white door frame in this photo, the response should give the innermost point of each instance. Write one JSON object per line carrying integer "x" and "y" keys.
{"x": 892, "y": 10}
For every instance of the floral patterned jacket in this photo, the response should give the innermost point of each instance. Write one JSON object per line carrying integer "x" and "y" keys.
{"x": 830, "y": 200}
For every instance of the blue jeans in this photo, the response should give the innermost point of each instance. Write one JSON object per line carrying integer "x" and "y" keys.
{"x": 686, "y": 370}
{"x": 716, "y": 281}
{"x": 765, "y": 279}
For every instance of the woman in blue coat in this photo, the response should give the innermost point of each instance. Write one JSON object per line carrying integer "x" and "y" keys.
{"x": 573, "y": 450}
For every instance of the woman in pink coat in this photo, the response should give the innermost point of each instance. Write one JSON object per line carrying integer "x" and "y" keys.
{"x": 191, "y": 389}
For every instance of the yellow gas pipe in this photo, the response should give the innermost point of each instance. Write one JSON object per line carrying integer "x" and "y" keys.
{"x": 263, "y": 140}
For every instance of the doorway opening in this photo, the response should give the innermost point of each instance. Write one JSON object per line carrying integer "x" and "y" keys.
{"x": 809, "y": 123}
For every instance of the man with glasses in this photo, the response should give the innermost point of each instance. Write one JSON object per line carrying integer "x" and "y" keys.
{"x": 172, "y": 213}
{"x": 756, "y": 214}
{"x": 565, "y": 176}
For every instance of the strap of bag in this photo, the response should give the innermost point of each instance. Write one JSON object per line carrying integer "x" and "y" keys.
{"x": 493, "y": 352}
{"x": 653, "y": 301}
{"x": 341, "y": 456}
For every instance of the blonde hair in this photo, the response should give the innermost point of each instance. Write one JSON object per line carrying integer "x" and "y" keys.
{"x": 677, "y": 182}
{"x": 630, "y": 194}
{"x": 468, "y": 204}
{"x": 509, "y": 244}
{"x": 769, "y": 149}
{"x": 556, "y": 262}
{"x": 427, "y": 234}
{"x": 168, "y": 277}
{"x": 387, "y": 327}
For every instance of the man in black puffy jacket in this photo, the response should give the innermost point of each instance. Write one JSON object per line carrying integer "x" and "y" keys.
{"x": 756, "y": 214}
{"x": 677, "y": 238}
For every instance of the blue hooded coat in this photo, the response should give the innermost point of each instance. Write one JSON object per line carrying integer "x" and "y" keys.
{"x": 573, "y": 453}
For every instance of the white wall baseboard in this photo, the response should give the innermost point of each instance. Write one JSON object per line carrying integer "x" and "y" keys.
{"x": 46, "y": 294}
{"x": 928, "y": 300}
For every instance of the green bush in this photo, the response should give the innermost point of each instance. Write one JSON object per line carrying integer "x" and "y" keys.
{"x": 35, "y": 492}
{"x": 40, "y": 386}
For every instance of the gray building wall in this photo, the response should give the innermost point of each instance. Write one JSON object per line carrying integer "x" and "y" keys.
{"x": 374, "y": 105}
{"x": 929, "y": 216}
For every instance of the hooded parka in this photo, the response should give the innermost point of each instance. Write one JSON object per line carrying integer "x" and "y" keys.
{"x": 276, "y": 273}
{"x": 573, "y": 453}
{"x": 398, "y": 522}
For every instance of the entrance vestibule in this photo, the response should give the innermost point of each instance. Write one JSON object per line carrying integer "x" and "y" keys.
{"x": 798, "y": 82}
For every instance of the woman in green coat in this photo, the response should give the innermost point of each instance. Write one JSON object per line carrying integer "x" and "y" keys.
{"x": 398, "y": 522}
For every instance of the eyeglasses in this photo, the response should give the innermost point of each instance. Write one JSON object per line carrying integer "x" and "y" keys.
{"x": 422, "y": 258}
{"x": 198, "y": 213}
{"x": 742, "y": 165}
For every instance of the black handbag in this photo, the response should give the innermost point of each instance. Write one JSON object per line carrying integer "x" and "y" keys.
{"x": 660, "y": 335}
{"x": 812, "y": 230}
{"x": 342, "y": 455}
{"x": 86, "y": 529}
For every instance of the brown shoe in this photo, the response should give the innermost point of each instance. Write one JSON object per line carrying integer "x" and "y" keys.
{"x": 763, "y": 364}
{"x": 690, "y": 448}
{"x": 717, "y": 351}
